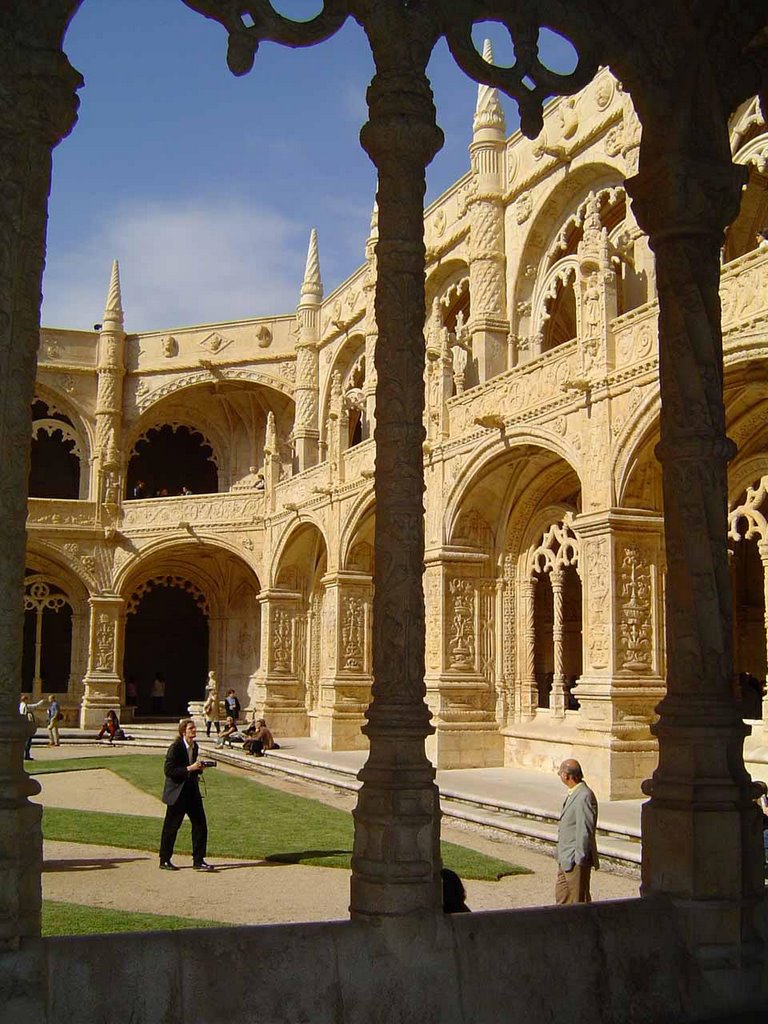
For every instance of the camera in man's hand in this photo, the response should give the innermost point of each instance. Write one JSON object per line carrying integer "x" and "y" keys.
{"x": 208, "y": 764}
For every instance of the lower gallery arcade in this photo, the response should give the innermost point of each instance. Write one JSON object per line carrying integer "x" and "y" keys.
{"x": 518, "y": 515}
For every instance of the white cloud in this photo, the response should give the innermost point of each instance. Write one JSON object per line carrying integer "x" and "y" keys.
{"x": 181, "y": 262}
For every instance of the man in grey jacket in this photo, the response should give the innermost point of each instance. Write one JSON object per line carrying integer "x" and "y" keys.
{"x": 576, "y": 847}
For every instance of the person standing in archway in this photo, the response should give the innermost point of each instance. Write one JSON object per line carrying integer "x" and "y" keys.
{"x": 181, "y": 795}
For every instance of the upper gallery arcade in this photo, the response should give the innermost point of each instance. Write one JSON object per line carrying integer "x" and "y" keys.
{"x": 216, "y": 482}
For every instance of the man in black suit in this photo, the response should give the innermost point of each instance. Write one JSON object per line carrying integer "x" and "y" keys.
{"x": 181, "y": 793}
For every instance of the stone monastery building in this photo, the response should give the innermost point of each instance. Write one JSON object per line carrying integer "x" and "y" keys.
{"x": 202, "y": 498}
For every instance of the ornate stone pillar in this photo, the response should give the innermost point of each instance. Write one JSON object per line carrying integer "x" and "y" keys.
{"x": 371, "y": 332}
{"x": 598, "y": 297}
{"x": 103, "y": 680}
{"x": 306, "y": 433}
{"x": 272, "y": 466}
{"x": 528, "y": 693}
{"x": 109, "y": 404}
{"x": 277, "y": 693}
{"x": 488, "y": 322}
{"x": 345, "y": 671}
{"x": 396, "y": 859}
{"x": 461, "y": 611}
{"x": 37, "y": 108}
{"x": 701, "y": 829}
{"x": 621, "y": 565}
{"x": 557, "y": 699}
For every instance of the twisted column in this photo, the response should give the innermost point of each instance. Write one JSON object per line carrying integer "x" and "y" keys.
{"x": 529, "y": 698}
{"x": 37, "y": 108}
{"x": 396, "y": 860}
{"x": 700, "y": 827}
{"x": 557, "y": 699}
{"x": 762, "y": 547}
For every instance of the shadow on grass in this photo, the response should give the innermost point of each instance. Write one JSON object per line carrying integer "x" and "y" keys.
{"x": 88, "y": 863}
{"x": 299, "y": 856}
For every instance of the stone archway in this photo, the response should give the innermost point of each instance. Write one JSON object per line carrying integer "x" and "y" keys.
{"x": 167, "y": 634}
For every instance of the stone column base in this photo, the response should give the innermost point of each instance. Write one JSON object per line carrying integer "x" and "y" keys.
{"x": 477, "y": 744}
{"x": 338, "y": 729}
{"x": 284, "y": 721}
{"x": 101, "y": 696}
{"x": 614, "y": 768}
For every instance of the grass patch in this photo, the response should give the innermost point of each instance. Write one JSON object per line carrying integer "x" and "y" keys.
{"x": 246, "y": 820}
{"x": 76, "y": 919}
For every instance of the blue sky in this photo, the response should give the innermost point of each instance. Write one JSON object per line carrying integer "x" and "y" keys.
{"x": 205, "y": 186}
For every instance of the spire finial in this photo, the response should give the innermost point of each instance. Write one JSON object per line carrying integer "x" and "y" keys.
{"x": 113, "y": 309}
{"x": 488, "y": 111}
{"x": 312, "y": 286}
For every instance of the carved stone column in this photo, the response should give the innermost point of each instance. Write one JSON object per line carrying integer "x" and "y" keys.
{"x": 109, "y": 404}
{"x": 557, "y": 699}
{"x": 488, "y": 323}
{"x": 371, "y": 331}
{"x": 396, "y": 859}
{"x": 598, "y": 298}
{"x": 306, "y": 433}
{"x": 272, "y": 466}
{"x": 37, "y": 108}
{"x": 621, "y": 568}
{"x": 762, "y": 547}
{"x": 103, "y": 680}
{"x": 277, "y": 692}
{"x": 701, "y": 829}
{"x": 345, "y": 671}
{"x": 528, "y": 694}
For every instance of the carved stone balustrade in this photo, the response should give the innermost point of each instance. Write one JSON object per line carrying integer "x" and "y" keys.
{"x": 148, "y": 515}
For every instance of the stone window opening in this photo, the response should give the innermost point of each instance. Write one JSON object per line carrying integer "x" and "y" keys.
{"x": 47, "y": 650}
{"x": 56, "y": 454}
{"x": 554, "y": 612}
{"x": 169, "y": 460}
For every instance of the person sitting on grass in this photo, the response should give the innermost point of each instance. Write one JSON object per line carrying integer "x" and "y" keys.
{"x": 229, "y": 732}
{"x": 259, "y": 739}
{"x": 110, "y": 727}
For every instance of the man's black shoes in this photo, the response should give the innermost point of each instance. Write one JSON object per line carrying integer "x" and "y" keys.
{"x": 165, "y": 865}
{"x": 203, "y": 866}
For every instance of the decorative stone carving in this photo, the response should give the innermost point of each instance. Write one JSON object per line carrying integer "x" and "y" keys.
{"x": 461, "y": 642}
{"x": 635, "y": 647}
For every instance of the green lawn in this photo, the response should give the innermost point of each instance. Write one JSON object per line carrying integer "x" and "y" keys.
{"x": 76, "y": 919}
{"x": 245, "y": 820}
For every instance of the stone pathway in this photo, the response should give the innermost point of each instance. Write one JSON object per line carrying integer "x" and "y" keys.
{"x": 247, "y": 892}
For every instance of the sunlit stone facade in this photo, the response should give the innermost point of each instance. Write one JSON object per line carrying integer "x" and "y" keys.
{"x": 545, "y": 566}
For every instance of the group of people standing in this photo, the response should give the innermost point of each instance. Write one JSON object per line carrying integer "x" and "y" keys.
{"x": 53, "y": 717}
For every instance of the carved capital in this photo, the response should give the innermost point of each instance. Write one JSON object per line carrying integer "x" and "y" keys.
{"x": 38, "y": 92}
{"x": 686, "y": 196}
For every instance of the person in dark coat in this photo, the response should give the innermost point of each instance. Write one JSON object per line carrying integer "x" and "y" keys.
{"x": 181, "y": 794}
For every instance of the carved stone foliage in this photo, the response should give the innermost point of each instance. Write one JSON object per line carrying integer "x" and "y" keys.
{"x": 353, "y": 630}
{"x": 635, "y": 639}
{"x": 104, "y": 643}
{"x": 461, "y": 637}
{"x": 281, "y": 639}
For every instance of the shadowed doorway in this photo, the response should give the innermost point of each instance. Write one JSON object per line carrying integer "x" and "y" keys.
{"x": 167, "y": 632}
